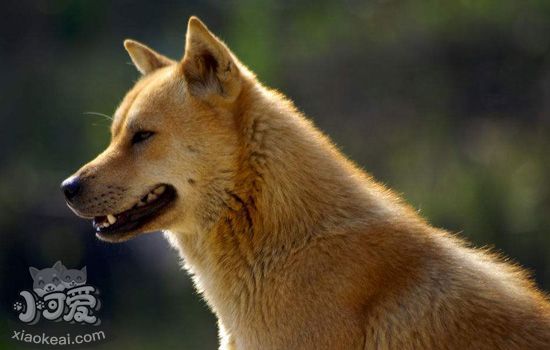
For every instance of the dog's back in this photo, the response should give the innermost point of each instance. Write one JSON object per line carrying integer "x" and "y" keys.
{"x": 460, "y": 299}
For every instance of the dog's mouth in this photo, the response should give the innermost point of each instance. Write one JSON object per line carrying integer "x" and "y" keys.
{"x": 148, "y": 208}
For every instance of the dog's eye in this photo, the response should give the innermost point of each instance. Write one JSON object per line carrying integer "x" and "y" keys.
{"x": 141, "y": 136}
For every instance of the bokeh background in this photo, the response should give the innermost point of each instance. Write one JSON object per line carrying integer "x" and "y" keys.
{"x": 447, "y": 102}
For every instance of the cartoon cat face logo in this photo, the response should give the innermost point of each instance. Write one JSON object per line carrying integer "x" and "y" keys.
{"x": 74, "y": 277}
{"x": 49, "y": 279}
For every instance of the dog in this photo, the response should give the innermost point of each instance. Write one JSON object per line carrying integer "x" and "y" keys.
{"x": 74, "y": 277}
{"x": 48, "y": 280}
{"x": 290, "y": 243}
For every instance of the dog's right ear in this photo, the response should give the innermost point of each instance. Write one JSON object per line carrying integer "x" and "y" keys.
{"x": 145, "y": 59}
{"x": 33, "y": 271}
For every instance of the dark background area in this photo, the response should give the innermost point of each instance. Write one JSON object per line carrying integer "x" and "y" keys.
{"x": 446, "y": 102}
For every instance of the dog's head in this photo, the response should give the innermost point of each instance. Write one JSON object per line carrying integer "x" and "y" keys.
{"x": 47, "y": 280}
{"x": 173, "y": 141}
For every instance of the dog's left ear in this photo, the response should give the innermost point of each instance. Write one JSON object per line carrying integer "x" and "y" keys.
{"x": 145, "y": 59}
{"x": 209, "y": 67}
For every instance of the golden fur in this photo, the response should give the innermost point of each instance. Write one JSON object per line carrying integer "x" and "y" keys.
{"x": 292, "y": 245}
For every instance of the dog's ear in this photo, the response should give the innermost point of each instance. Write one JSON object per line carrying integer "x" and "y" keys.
{"x": 59, "y": 266}
{"x": 33, "y": 271}
{"x": 210, "y": 69}
{"x": 145, "y": 59}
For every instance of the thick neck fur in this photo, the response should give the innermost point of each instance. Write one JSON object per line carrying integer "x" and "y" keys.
{"x": 292, "y": 187}
{"x": 300, "y": 240}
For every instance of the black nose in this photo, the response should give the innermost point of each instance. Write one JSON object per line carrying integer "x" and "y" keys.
{"x": 71, "y": 187}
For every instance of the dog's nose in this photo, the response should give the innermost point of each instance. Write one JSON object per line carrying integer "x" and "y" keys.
{"x": 71, "y": 187}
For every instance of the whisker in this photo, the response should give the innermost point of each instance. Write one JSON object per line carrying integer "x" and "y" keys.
{"x": 108, "y": 117}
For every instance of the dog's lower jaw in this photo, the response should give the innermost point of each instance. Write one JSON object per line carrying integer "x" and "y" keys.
{"x": 117, "y": 238}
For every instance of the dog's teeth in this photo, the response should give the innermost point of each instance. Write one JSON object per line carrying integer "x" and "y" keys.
{"x": 111, "y": 218}
{"x": 151, "y": 197}
{"x": 141, "y": 204}
{"x": 159, "y": 190}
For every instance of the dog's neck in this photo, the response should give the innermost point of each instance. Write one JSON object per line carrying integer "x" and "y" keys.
{"x": 293, "y": 186}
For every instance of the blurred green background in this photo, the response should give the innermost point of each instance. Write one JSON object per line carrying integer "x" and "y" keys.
{"x": 447, "y": 102}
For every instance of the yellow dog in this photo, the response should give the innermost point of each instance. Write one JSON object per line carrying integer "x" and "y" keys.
{"x": 290, "y": 243}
